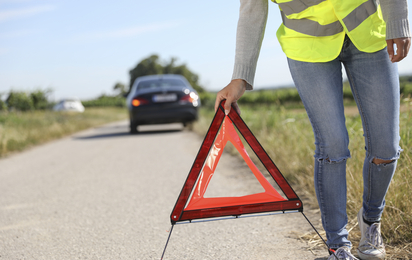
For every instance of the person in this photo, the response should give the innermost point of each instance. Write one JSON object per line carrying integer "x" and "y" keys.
{"x": 319, "y": 36}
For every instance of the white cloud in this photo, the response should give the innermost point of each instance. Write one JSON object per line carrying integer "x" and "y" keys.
{"x": 24, "y": 12}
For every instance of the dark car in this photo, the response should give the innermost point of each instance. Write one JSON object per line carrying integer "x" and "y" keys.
{"x": 160, "y": 99}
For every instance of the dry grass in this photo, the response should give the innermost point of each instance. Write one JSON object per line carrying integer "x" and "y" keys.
{"x": 21, "y": 130}
{"x": 287, "y": 137}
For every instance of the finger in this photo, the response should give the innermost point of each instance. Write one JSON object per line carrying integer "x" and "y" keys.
{"x": 406, "y": 46}
{"x": 221, "y": 95}
{"x": 228, "y": 105}
{"x": 390, "y": 49}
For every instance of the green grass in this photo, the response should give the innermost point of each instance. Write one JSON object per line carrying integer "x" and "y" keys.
{"x": 21, "y": 130}
{"x": 286, "y": 135}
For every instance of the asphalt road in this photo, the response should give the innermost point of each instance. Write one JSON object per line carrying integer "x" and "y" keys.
{"x": 105, "y": 194}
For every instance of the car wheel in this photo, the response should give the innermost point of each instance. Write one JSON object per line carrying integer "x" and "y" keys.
{"x": 133, "y": 127}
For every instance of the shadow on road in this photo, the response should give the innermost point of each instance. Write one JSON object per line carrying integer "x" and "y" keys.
{"x": 111, "y": 135}
{"x": 123, "y": 131}
{"x": 97, "y": 136}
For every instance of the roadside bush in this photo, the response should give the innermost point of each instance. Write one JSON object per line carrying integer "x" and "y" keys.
{"x": 26, "y": 101}
{"x": 271, "y": 96}
{"x": 106, "y": 101}
{"x": 207, "y": 99}
{"x": 406, "y": 89}
{"x": 3, "y": 106}
{"x": 40, "y": 100}
{"x": 18, "y": 100}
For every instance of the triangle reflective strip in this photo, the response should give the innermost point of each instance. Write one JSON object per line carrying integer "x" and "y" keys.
{"x": 192, "y": 205}
{"x": 198, "y": 201}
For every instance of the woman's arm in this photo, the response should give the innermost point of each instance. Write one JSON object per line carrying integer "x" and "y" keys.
{"x": 250, "y": 31}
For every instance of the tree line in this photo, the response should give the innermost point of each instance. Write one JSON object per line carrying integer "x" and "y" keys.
{"x": 26, "y": 101}
{"x": 153, "y": 65}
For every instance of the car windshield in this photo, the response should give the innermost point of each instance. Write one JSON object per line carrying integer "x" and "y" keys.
{"x": 160, "y": 83}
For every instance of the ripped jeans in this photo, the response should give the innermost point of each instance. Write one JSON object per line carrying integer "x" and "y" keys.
{"x": 374, "y": 82}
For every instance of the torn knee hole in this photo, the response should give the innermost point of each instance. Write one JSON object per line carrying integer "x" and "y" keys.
{"x": 330, "y": 161}
{"x": 324, "y": 160}
{"x": 381, "y": 161}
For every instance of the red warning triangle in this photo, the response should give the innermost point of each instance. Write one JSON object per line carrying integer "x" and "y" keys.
{"x": 198, "y": 201}
{"x": 191, "y": 203}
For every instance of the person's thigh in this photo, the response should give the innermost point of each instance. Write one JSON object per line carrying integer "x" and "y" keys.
{"x": 320, "y": 88}
{"x": 375, "y": 85}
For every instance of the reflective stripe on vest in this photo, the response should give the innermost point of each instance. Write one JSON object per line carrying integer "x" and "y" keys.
{"x": 306, "y": 26}
{"x": 296, "y": 6}
{"x": 327, "y": 22}
{"x": 310, "y": 27}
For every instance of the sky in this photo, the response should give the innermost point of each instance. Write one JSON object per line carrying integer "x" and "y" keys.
{"x": 82, "y": 48}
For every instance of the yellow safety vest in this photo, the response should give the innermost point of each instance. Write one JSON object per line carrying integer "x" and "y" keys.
{"x": 314, "y": 30}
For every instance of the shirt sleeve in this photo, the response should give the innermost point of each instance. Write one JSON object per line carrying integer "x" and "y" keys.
{"x": 250, "y": 32}
{"x": 395, "y": 14}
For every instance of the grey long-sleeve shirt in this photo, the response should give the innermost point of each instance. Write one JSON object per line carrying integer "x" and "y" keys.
{"x": 252, "y": 22}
